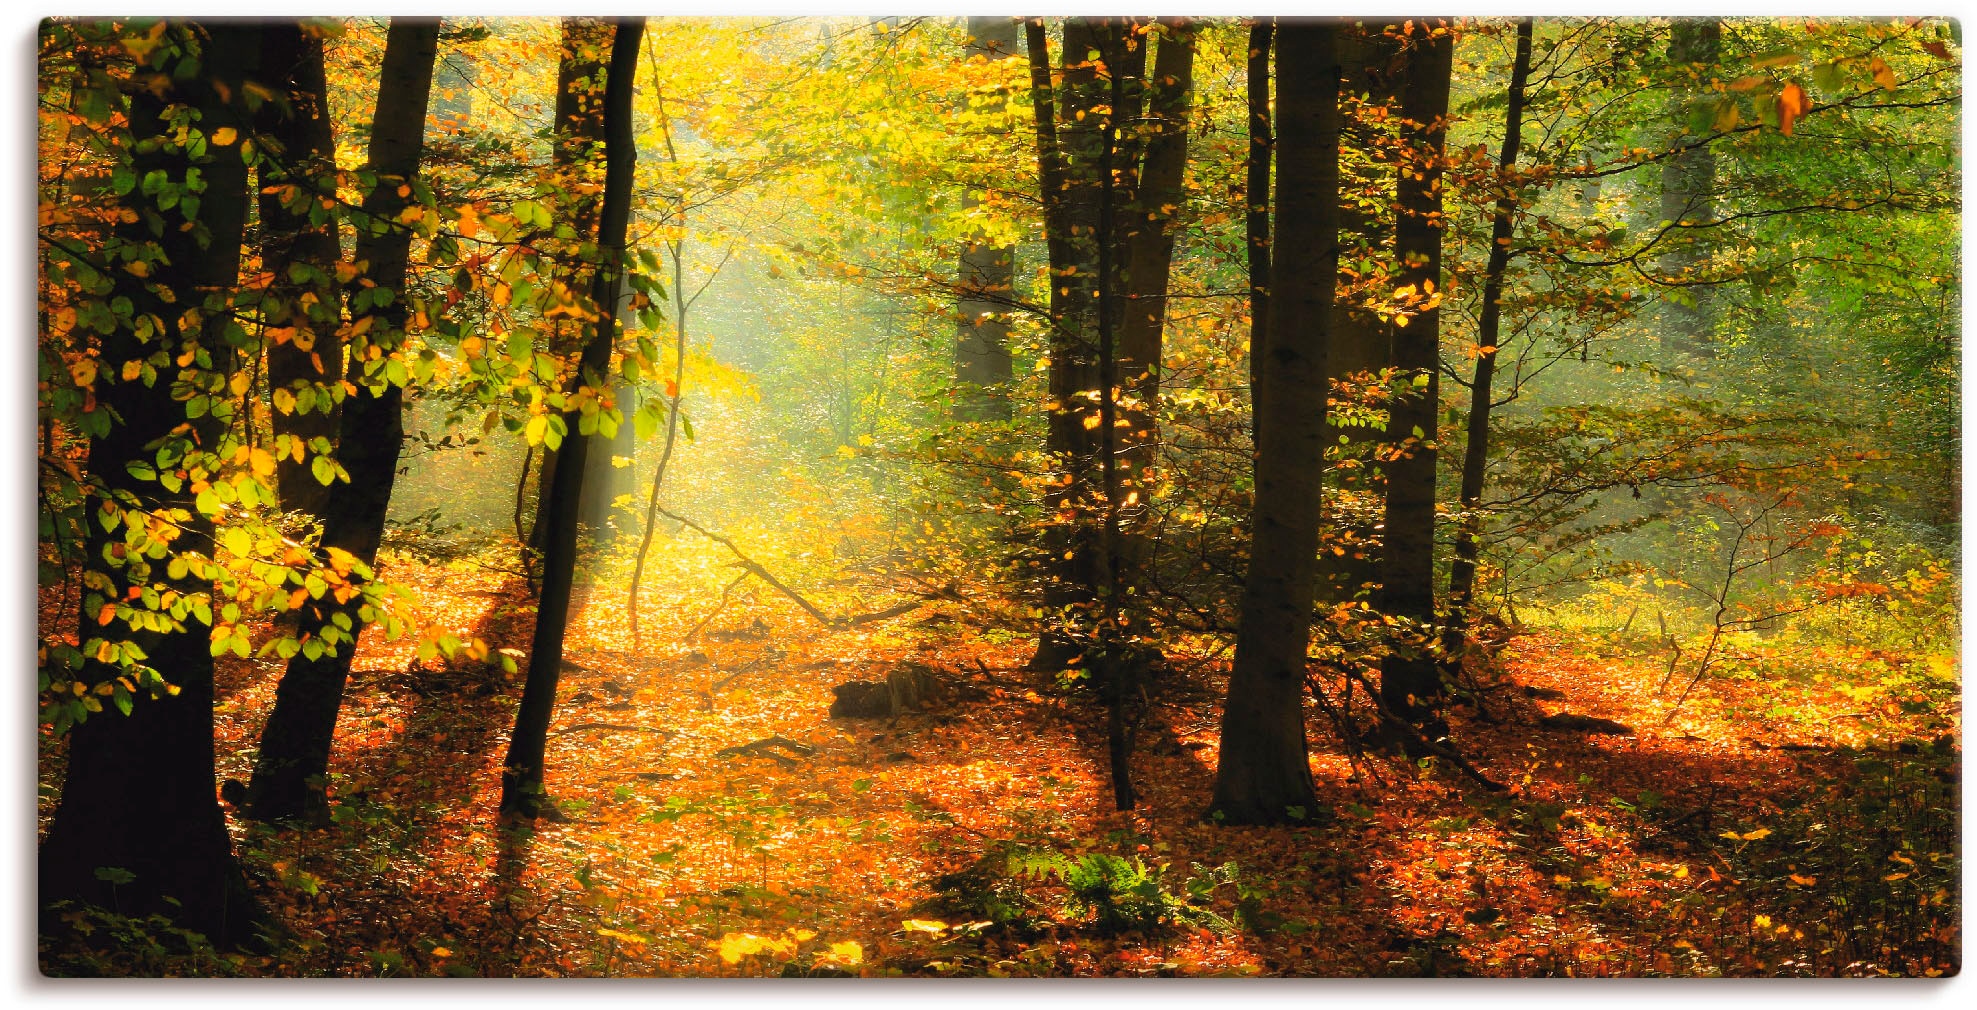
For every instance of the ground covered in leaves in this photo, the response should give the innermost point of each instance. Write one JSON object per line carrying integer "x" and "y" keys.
{"x": 714, "y": 819}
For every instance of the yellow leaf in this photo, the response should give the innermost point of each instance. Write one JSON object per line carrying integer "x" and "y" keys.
{"x": 224, "y": 136}
{"x": 1762, "y": 922}
{"x": 847, "y": 953}
{"x": 262, "y": 461}
{"x": 1804, "y": 881}
{"x": 442, "y": 952}
{"x": 924, "y": 926}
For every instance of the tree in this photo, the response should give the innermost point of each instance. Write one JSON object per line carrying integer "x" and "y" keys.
{"x": 1264, "y": 776}
{"x": 1475, "y": 453}
{"x": 1410, "y": 678}
{"x": 1152, "y": 201}
{"x": 300, "y": 304}
{"x": 295, "y": 745}
{"x": 522, "y": 792}
{"x": 1067, "y": 174}
{"x": 1688, "y": 189}
{"x": 578, "y": 139}
{"x": 1362, "y": 338}
{"x": 138, "y": 827}
{"x": 987, "y": 276}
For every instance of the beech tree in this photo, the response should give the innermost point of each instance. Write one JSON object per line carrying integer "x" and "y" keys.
{"x": 1410, "y": 675}
{"x": 138, "y": 826}
{"x": 295, "y": 745}
{"x": 1264, "y": 775}
{"x": 986, "y": 278}
{"x": 522, "y": 789}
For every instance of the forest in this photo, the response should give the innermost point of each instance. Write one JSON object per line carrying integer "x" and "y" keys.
{"x": 998, "y": 496}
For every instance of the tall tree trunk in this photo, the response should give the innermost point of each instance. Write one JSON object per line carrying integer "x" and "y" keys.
{"x": 987, "y": 276}
{"x": 1264, "y": 776}
{"x": 1476, "y": 452}
{"x": 522, "y": 791}
{"x": 1362, "y": 342}
{"x": 301, "y": 305}
{"x": 139, "y": 792}
{"x": 1256, "y": 203}
{"x": 1410, "y": 678}
{"x": 1067, "y": 125}
{"x": 295, "y": 746}
{"x": 578, "y": 125}
{"x": 1688, "y": 190}
{"x": 1147, "y": 236}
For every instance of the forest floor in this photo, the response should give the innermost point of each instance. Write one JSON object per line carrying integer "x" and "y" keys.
{"x": 1786, "y": 821}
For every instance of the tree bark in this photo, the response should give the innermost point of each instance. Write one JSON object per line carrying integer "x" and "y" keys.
{"x": 1066, "y": 120}
{"x": 1410, "y": 678}
{"x": 522, "y": 789}
{"x": 1475, "y": 453}
{"x": 1688, "y": 192}
{"x": 1362, "y": 342}
{"x": 301, "y": 305}
{"x": 986, "y": 278}
{"x": 578, "y": 125}
{"x": 289, "y": 772}
{"x": 1148, "y": 249}
{"x": 1256, "y": 203}
{"x": 1264, "y": 775}
{"x": 139, "y": 792}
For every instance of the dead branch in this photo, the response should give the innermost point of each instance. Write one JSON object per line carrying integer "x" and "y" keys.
{"x": 752, "y": 567}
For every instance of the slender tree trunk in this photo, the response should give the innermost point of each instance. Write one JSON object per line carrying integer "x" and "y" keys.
{"x": 1410, "y": 678}
{"x": 522, "y": 792}
{"x": 1264, "y": 776}
{"x": 987, "y": 277}
{"x": 1256, "y": 204}
{"x": 1067, "y": 124}
{"x": 1476, "y": 452}
{"x": 139, "y": 791}
{"x": 1362, "y": 343}
{"x": 578, "y": 125}
{"x": 295, "y": 746}
{"x": 1148, "y": 239}
{"x": 1688, "y": 192}
{"x": 301, "y": 304}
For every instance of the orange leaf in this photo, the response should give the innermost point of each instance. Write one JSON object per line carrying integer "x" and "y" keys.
{"x": 1793, "y": 104}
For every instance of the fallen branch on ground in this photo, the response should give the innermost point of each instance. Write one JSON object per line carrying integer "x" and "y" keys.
{"x": 752, "y": 567}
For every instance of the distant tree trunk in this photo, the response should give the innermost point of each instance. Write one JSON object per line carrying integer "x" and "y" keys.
{"x": 1410, "y": 678}
{"x": 301, "y": 305}
{"x": 1148, "y": 249}
{"x": 1256, "y": 202}
{"x": 1362, "y": 342}
{"x": 295, "y": 745}
{"x": 1264, "y": 776}
{"x": 1475, "y": 453}
{"x": 987, "y": 277}
{"x": 522, "y": 791}
{"x": 1688, "y": 191}
{"x": 604, "y": 482}
{"x": 139, "y": 791}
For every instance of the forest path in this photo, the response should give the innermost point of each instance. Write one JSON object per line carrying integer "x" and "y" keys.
{"x": 1654, "y": 852}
